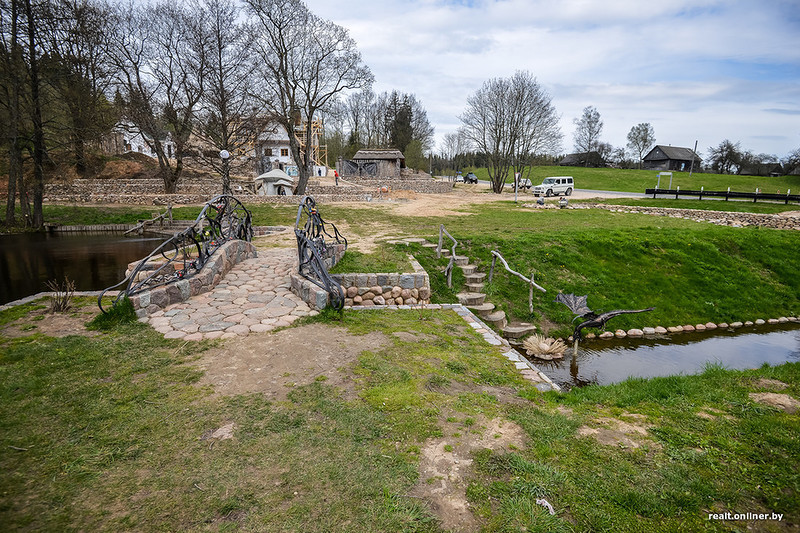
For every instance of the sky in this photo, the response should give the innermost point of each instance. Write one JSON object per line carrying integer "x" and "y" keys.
{"x": 696, "y": 70}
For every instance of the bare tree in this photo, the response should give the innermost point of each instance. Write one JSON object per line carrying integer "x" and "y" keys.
{"x": 508, "y": 118}
{"x": 587, "y": 132}
{"x": 308, "y": 62}
{"x": 160, "y": 52}
{"x": 80, "y": 71}
{"x": 726, "y": 158}
{"x": 538, "y": 122}
{"x": 226, "y": 116}
{"x": 641, "y": 139}
{"x": 14, "y": 74}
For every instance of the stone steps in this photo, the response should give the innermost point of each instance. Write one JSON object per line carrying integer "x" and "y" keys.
{"x": 475, "y": 277}
{"x": 517, "y": 330}
{"x": 474, "y": 287}
{"x": 482, "y": 310}
{"x": 468, "y": 269}
{"x": 496, "y": 319}
{"x": 461, "y": 260}
{"x": 471, "y": 298}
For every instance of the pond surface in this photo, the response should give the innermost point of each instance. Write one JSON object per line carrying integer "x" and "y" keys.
{"x": 604, "y": 362}
{"x": 93, "y": 261}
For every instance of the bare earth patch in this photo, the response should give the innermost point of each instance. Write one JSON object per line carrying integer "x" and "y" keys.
{"x": 52, "y": 324}
{"x": 273, "y": 363}
{"x": 771, "y": 384}
{"x": 615, "y": 432}
{"x": 445, "y": 465}
{"x": 784, "y": 402}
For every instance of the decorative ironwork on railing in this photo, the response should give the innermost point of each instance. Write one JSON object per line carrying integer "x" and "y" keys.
{"x": 448, "y": 271}
{"x": 314, "y": 254}
{"x": 222, "y": 219}
{"x": 531, "y": 284}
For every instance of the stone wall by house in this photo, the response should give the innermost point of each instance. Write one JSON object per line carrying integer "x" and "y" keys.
{"x": 420, "y": 185}
{"x": 228, "y": 255}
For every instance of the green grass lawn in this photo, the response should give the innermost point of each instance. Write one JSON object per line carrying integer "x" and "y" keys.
{"x": 109, "y": 433}
{"x": 633, "y": 180}
{"x": 691, "y": 272}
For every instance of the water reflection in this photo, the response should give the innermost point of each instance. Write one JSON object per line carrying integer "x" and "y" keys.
{"x": 605, "y": 362}
{"x": 93, "y": 261}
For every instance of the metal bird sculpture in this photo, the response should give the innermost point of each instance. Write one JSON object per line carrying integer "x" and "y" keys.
{"x": 577, "y": 304}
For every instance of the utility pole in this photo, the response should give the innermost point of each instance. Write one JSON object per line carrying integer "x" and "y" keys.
{"x": 694, "y": 154}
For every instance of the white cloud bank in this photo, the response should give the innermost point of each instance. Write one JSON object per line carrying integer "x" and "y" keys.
{"x": 702, "y": 70}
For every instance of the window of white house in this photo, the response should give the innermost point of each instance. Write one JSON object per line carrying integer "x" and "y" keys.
{"x": 268, "y": 151}
{"x": 284, "y": 152}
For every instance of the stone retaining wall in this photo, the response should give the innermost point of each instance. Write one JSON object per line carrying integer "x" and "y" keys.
{"x": 721, "y": 218}
{"x": 213, "y": 271}
{"x": 420, "y": 185}
{"x": 370, "y": 289}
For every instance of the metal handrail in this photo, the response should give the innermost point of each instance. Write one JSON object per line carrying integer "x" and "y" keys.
{"x": 531, "y": 284}
{"x": 448, "y": 271}
{"x": 222, "y": 219}
{"x": 312, "y": 250}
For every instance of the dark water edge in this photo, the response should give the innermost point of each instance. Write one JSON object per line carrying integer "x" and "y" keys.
{"x": 605, "y": 362}
{"x": 92, "y": 261}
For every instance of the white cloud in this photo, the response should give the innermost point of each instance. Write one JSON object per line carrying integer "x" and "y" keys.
{"x": 706, "y": 69}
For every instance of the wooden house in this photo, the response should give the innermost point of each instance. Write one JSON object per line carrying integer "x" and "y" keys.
{"x": 671, "y": 158}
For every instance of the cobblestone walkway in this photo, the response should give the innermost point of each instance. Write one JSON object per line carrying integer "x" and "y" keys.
{"x": 253, "y": 297}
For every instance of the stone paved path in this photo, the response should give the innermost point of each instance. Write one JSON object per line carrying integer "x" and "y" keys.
{"x": 253, "y": 297}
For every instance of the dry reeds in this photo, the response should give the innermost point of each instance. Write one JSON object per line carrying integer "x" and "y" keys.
{"x": 61, "y": 299}
{"x": 544, "y": 348}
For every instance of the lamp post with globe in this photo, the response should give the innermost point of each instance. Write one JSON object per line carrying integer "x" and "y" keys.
{"x": 226, "y": 177}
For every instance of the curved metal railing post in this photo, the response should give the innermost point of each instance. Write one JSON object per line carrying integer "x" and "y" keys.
{"x": 227, "y": 218}
{"x": 312, "y": 250}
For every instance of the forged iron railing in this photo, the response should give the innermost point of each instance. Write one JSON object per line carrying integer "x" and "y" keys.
{"x": 531, "y": 284}
{"x": 222, "y": 219}
{"x": 314, "y": 254}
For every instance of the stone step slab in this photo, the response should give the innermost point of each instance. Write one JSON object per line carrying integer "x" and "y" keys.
{"x": 482, "y": 310}
{"x": 471, "y": 298}
{"x": 474, "y": 287}
{"x": 517, "y": 330}
{"x": 497, "y": 319}
{"x": 475, "y": 277}
{"x": 468, "y": 269}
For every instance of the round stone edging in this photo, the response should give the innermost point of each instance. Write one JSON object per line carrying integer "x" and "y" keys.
{"x": 650, "y": 332}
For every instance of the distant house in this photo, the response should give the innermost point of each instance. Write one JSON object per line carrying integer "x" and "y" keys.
{"x": 671, "y": 158}
{"x": 585, "y": 159}
{"x": 772, "y": 170}
{"x": 382, "y": 163}
{"x": 127, "y": 137}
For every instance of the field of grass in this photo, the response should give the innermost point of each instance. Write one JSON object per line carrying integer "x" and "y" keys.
{"x": 110, "y": 433}
{"x": 633, "y": 180}
{"x": 691, "y": 272}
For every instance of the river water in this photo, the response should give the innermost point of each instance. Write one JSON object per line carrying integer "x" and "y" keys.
{"x": 92, "y": 261}
{"x": 603, "y": 362}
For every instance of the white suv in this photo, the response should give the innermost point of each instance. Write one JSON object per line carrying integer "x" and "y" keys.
{"x": 555, "y": 185}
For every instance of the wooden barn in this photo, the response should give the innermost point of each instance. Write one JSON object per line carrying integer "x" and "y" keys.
{"x": 671, "y": 158}
{"x": 382, "y": 163}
